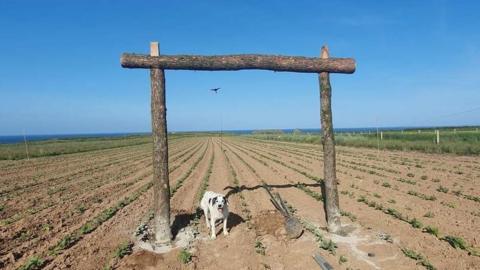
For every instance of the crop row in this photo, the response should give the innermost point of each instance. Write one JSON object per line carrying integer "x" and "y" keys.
{"x": 179, "y": 182}
{"x": 427, "y": 229}
{"x": 88, "y": 227}
{"x": 60, "y": 179}
{"x": 302, "y": 186}
{"x": 454, "y": 241}
{"x": 72, "y": 238}
{"x": 306, "y": 174}
{"x": 237, "y": 190}
{"x": 403, "y": 180}
{"x": 80, "y": 208}
{"x": 329, "y": 245}
{"x": 51, "y": 191}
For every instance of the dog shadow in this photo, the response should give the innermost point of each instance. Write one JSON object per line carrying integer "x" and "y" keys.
{"x": 182, "y": 220}
{"x": 234, "y": 190}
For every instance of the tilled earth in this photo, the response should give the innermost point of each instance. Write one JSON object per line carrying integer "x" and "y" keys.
{"x": 77, "y": 211}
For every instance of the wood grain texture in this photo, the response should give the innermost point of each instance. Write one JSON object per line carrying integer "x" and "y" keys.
{"x": 330, "y": 190}
{"x": 161, "y": 186}
{"x": 239, "y": 62}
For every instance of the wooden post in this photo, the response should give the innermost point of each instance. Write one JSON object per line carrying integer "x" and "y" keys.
{"x": 381, "y": 135}
{"x": 161, "y": 185}
{"x": 438, "y": 136}
{"x": 329, "y": 188}
{"x": 158, "y": 63}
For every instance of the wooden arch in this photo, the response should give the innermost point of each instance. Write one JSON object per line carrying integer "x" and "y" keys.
{"x": 158, "y": 63}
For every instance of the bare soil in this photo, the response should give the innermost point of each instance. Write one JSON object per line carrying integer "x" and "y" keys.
{"x": 44, "y": 200}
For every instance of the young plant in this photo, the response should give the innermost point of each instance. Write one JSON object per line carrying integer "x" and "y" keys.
{"x": 124, "y": 249}
{"x": 362, "y": 199}
{"x": 456, "y": 242}
{"x": 81, "y": 209}
{"x": 33, "y": 263}
{"x": 416, "y": 223}
{"x": 442, "y": 189}
{"x": 343, "y": 259}
{"x": 431, "y": 230}
{"x": 185, "y": 256}
{"x": 448, "y": 204}
{"x": 329, "y": 245}
{"x": 351, "y": 216}
{"x": 387, "y": 237}
{"x": 419, "y": 258}
{"x": 259, "y": 247}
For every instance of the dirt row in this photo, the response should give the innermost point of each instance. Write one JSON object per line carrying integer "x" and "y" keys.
{"x": 362, "y": 182}
{"x": 257, "y": 239}
{"x": 398, "y": 192}
{"x": 239, "y": 249}
{"x": 123, "y": 224}
{"x": 87, "y": 196}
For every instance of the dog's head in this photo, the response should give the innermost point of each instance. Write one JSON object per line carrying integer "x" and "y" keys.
{"x": 218, "y": 202}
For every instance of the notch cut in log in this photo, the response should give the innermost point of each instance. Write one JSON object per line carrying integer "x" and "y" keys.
{"x": 239, "y": 62}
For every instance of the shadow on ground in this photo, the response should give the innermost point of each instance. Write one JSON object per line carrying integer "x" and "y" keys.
{"x": 233, "y": 190}
{"x": 182, "y": 220}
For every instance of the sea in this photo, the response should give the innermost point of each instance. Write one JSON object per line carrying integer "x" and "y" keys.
{"x": 20, "y": 138}
{"x": 31, "y": 138}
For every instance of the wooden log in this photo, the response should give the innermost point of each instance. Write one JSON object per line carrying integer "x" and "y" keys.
{"x": 330, "y": 192}
{"x": 322, "y": 262}
{"x": 161, "y": 186}
{"x": 238, "y": 62}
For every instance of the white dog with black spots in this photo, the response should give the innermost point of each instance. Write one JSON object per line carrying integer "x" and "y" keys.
{"x": 215, "y": 207}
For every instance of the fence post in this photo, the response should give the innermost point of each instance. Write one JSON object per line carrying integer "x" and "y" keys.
{"x": 329, "y": 187}
{"x": 381, "y": 135}
{"x": 26, "y": 145}
{"x": 161, "y": 185}
{"x": 438, "y": 136}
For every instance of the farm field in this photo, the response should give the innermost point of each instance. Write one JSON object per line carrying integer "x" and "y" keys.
{"x": 80, "y": 210}
{"x": 460, "y": 141}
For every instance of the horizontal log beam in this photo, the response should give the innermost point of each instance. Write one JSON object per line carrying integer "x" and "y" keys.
{"x": 238, "y": 62}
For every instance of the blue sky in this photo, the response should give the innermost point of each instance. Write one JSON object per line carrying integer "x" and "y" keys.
{"x": 417, "y": 64}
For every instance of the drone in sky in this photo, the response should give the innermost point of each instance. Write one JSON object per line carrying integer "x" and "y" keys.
{"x": 215, "y": 89}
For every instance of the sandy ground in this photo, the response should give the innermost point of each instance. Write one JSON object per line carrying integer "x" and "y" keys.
{"x": 46, "y": 199}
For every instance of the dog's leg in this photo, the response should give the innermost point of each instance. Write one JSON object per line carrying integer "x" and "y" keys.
{"x": 205, "y": 212}
{"x": 212, "y": 222}
{"x": 225, "y": 232}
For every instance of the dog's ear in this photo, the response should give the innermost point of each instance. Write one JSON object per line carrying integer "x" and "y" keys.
{"x": 226, "y": 201}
